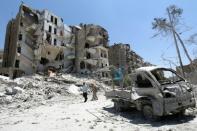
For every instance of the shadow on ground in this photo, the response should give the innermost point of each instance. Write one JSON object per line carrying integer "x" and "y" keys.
{"x": 136, "y": 117}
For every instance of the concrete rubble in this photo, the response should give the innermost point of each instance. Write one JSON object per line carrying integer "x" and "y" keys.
{"x": 38, "y": 88}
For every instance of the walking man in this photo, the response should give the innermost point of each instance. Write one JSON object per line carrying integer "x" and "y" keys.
{"x": 94, "y": 91}
{"x": 85, "y": 91}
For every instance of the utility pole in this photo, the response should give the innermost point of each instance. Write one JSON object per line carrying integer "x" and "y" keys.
{"x": 175, "y": 41}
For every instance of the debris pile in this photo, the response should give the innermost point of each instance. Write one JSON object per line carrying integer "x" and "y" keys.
{"x": 39, "y": 88}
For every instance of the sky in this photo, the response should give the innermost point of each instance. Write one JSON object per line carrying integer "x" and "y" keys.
{"x": 127, "y": 21}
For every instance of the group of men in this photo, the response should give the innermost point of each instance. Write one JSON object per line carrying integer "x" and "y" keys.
{"x": 85, "y": 89}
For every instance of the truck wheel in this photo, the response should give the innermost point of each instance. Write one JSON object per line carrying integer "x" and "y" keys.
{"x": 117, "y": 107}
{"x": 148, "y": 114}
{"x": 181, "y": 112}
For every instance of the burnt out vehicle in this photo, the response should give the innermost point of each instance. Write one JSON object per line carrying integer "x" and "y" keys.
{"x": 156, "y": 92}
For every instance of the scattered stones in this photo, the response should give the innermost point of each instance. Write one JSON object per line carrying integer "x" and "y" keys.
{"x": 50, "y": 96}
{"x": 17, "y": 122}
{"x": 68, "y": 118}
{"x": 98, "y": 120}
{"x": 2, "y": 94}
{"x": 43, "y": 103}
{"x": 91, "y": 127}
{"x": 18, "y": 89}
{"x": 18, "y": 106}
{"x": 76, "y": 120}
{"x": 95, "y": 124}
{"x": 35, "y": 123}
{"x": 27, "y": 107}
{"x": 63, "y": 118}
{"x": 10, "y": 91}
{"x": 8, "y": 99}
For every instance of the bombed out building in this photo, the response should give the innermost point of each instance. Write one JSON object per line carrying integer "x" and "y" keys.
{"x": 36, "y": 40}
{"x": 122, "y": 55}
{"x": 119, "y": 54}
{"x": 91, "y": 50}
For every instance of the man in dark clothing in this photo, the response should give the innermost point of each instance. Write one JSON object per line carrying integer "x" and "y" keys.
{"x": 85, "y": 91}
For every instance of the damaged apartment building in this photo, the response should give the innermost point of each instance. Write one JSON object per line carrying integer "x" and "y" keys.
{"x": 36, "y": 40}
{"x": 91, "y": 50}
{"x": 121, "y": 55}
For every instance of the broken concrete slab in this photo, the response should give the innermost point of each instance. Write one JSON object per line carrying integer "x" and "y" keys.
{"x": 10, "y": 91}
{"x": 18, "y": 89}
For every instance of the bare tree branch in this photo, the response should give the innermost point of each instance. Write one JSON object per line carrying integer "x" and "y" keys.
{"x": 169, "y": 26}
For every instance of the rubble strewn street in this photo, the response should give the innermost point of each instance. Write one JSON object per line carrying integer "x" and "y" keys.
{"x": 39, "y": 102}
{"x": 94, "y": 66}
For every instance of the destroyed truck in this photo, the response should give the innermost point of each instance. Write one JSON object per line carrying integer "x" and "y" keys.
{"x": 156, "y": 92}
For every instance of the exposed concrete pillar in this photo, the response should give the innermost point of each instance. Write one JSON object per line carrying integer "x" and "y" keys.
{"x": 79, "y": 50}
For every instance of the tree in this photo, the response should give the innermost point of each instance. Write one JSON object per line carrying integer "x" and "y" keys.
{"x": 169, "y": 26}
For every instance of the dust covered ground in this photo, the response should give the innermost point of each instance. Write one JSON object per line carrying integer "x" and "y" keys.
{"x": 69, "y": 113}
{"x": 49, "y": 106}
